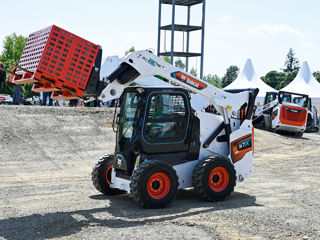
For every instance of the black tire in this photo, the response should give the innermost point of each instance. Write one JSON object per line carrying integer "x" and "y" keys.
{"x": 312, "y": 130}
{"x": 214, "y": 178}
{"x": 101, "y": 172}
{"x": 159, "y": 193}
{"x": 298, "y": 134}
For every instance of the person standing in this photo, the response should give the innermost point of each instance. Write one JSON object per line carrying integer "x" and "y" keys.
{"x": 17, "y": 91}
{"x": 3, "y": 80}
{"x": 73, "y": 103}
{"x": 45, "y": 96}
{"x": 17, "y": 94}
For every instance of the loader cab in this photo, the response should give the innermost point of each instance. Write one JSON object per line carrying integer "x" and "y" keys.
{"x": 270, "y": 96}
{"x": 293, "y": 108}
{"x": 309, "y": 104}
{"x": 303, "y": 102}
{"x": 306, "y": 102}
{"x": 281, "y": 96}
{"x": 155, "y": 124}
{"x": 285, "y": 97}
{"x": 296, "y": 98}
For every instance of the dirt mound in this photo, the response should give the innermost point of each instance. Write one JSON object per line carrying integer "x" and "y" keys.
{"x": 47, "y": 154}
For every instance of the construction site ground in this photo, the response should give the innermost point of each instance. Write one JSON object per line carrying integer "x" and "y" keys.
{"x": 46, "y": 158}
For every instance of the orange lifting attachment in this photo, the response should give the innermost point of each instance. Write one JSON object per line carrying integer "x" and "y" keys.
{"x": 58, "y": 61}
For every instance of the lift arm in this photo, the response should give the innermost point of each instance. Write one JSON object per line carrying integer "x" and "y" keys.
{"x": 143, "y": 64}
{"x": 259, "y": 111}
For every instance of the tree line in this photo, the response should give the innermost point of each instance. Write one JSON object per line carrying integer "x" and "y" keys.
{"x": 13, "y": 46}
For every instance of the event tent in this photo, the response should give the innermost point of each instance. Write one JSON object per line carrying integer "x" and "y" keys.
{"x": 305, "y": 83}
{"x": 249, "y": 79}
{"x": 110, "y": 64}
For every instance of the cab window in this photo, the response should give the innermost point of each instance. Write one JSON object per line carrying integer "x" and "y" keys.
{"x": 166, "y": 118}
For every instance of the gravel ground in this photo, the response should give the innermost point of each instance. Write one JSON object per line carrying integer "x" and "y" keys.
{"x": 47, "y": 154}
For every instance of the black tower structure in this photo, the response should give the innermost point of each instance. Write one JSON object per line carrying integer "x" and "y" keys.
{"x": 184, "y": 28}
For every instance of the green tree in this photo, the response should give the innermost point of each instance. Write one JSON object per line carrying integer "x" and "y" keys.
{"x": 13, "y": 46}
{"x": 231, "y": 74}
{"x": 292, "y": 63}
{"x": 274, "y": 79}
{"x": 317, "y": 75}
{"x": 167, "y": 59}
{"x": 178, "y": 63}
{"x": 132, "y": 49}
{"x": 288, "y": 79}
{"x": 194, "y": 72}
{"x": 213, "y": 79}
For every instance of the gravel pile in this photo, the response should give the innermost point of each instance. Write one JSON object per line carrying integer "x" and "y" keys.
{"x": 47, "y": 154}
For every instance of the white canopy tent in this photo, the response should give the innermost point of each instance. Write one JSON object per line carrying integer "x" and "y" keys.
{"x": 110, "y": 64}
{"x": 305, "y": 83}
{"x": 249, "y": 79}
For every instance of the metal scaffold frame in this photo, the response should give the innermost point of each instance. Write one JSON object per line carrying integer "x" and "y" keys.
{"x": 184, "y": 28}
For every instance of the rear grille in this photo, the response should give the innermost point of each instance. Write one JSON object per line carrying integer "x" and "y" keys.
{"x": 293, "y": 115}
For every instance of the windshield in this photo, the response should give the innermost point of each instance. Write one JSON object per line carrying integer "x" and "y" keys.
{"x": 128, "y": 113}
{"x": 303, "y": 102}
{"x": 286, "y": 98}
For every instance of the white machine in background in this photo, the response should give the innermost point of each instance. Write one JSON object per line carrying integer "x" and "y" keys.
{"x": 6, "y": 99}
{"x": 280, "y": 114}
{"x": 313, "y": 124}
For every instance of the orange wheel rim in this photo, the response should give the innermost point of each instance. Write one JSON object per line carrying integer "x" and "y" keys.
{"x": 158, "y": 185}
{"x": 108, "y": 174}
{"x": 218, "y": 179}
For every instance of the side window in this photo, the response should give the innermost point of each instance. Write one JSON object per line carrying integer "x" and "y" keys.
{"x": 286, "y": 98}
{"x": 309, "y": 104}
{"x": 269, "y": 98}
{"x": 166, "y": 118}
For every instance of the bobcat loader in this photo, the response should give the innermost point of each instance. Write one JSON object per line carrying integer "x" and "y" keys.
{"x": 162, "y": 143}
{"x": 280, "y": 114}
{"x": 156, "y": 154}
{"x": 313, "y": 118}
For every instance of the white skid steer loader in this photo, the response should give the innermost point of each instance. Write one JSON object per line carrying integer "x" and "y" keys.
{"x": 163, "y": 144}
{"x": 280, "y": 114}
{"x": 313, "y": 118}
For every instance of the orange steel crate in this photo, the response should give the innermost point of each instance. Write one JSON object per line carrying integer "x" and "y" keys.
{"x": 57, "y": 60}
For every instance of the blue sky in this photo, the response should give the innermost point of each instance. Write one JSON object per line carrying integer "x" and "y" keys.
{"x": 262, "y": 30}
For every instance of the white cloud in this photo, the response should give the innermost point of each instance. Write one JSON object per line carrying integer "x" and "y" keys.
{"x": 309, "y": 45}
{"x": 266, "y": 30}
{"x": 220, "y": 44}
{"x": 225, "y": 19}
{"x": 54, "y": 22}
{"x": 116, "y": 43}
